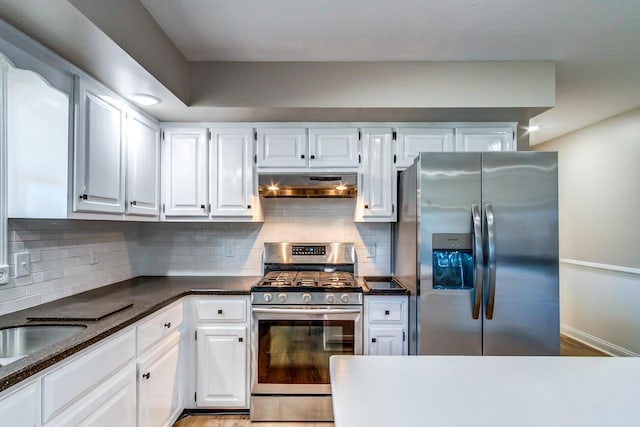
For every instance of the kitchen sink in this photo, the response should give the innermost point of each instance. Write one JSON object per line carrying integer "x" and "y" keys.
{"x": 20, "y": 341}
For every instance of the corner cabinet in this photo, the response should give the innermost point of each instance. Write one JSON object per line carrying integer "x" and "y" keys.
{"x": 232, "y": 182}
{"x": 377, "y": 178}
{"x": 143, "y": 166}
{"x": 385, "y": 325}
{"x": 99, "y": 150}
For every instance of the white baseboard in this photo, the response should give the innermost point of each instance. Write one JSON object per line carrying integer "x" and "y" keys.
{"x": 595, "y": 342}
{"x": 598, "y": 306}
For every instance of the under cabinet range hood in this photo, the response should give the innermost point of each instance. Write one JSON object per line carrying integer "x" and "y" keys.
{"x": 307, "y": 185}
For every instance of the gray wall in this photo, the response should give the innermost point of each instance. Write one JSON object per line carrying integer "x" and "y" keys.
{"x": 599, "y": 198}
{"x": 599, "y": 191}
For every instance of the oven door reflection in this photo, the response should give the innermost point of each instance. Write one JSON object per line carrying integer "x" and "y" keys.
{"x": 291, "y": 347}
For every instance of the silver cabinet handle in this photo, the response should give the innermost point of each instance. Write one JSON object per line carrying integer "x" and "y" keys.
{"x": 476, "y": 218}
{"x": 491, "y": 240}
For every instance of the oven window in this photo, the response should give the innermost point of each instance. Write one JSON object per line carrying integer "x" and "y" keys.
{"x": 298, "y": 351}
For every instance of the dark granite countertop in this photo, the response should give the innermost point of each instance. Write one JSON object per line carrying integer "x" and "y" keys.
{"x": 383, "y": 285}
{"x": 145, "y": 294}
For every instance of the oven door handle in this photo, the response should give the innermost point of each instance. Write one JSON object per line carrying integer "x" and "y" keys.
{"x": 306, "y": 310}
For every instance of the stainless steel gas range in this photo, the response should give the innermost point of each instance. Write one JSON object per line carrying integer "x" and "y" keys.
{"x": 306, "y": 308}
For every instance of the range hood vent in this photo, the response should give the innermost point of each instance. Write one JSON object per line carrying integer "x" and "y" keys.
{"x": 341, "y": 185}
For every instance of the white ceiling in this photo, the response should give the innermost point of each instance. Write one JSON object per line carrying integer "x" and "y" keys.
{"x": 596, "y": 44}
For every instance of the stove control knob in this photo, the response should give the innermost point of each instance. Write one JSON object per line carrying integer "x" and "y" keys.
{"x": 268, "y": 297}
{"x": 344, "y": 298}
{"x": 282, "y": 297}
{"x": 306, "y": 298}
{"x": 331, "y": 298}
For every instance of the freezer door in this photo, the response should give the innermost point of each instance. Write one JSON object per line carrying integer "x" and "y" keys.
{"x": 520, "y": 211}
{"x": 449, "y": 185}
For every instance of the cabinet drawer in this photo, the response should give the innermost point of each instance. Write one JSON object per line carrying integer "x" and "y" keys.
{"x": 386, "y": 311}
{"x": 159, "y": 326}
{"x": 221, "y": 310}
{"x": 77, "y": 377}
{"x": 113, "y": 403}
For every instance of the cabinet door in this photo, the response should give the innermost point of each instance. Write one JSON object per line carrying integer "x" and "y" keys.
{"x": 184, "y": 173}
{"x": 411, "y": 141}
{"x": 159, "y": 389}
{"x": 376, "y": 189}
{"x": 20, "y": 408}
{"x": 485, "y": 139}
{"x": 112, "y": 403}
{"x": 143, "y": 165}
{"x": 222, "y": 367}
{"x": 99, "y": 150}
{"x": 231, "y": 174}
{"x": 282, "y": 148}
{"x": 333, "y": 147}
{"x": 387, "y": 341}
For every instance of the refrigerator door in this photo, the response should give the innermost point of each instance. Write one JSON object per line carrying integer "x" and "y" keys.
{"x": 449, "y": 185}
{"x": 520, "y": 212}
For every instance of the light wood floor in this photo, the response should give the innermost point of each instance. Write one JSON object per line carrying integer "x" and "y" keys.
{"x": 568, "y": 347}
{"x": 236, "y": 421}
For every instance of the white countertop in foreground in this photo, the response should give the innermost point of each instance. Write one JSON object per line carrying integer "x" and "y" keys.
{"x": 385, "y": 391}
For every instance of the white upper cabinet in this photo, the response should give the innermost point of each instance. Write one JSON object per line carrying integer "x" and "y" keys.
{"x": 377, "y": 177}
{"x": 333, "y": 148}
{"x": 99, "y": 150}
{"x": 143, "y": 166}
{"x": 232, "y": 181}
{"x": 282, "y": 148}
{"x": 411, "y": 141}
{"x": 485, "y": 139}
{"x": 184, "y": 173}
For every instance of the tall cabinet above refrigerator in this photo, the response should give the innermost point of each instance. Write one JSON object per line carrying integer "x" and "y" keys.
{"x": 476, "y": 243}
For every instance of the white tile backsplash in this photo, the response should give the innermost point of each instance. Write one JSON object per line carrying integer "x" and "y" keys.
{"x": 202, "y": 248}
{"x": 59, "y": 259}
{"x": 60, "y": 249}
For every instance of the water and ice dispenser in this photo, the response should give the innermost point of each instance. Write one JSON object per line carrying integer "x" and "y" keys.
{"x": 452, "y": 261}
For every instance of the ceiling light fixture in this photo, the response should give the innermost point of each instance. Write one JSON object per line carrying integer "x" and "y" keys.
{"x": 145, "y": 99}
{"x": 533, "y": 128}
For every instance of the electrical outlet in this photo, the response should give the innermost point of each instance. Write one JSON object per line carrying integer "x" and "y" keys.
{"x": 22, "y": 264}
{"x": 93, "y": 256}
{"x": 229, "y": 250}
{"x": 372, "y": 250}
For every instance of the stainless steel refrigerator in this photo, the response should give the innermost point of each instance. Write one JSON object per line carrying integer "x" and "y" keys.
{"x": 476, "y": 242}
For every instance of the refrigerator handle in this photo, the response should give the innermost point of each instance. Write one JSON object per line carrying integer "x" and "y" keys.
{"x": 478, "y": 261}
{"x": 491, "y": 240}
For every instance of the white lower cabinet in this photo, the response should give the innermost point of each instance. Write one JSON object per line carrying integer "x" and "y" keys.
{"x": 112, "y": 403}
{"x": 107, "y": 385}
{"x": 385, "y": 325}
{"x": 222, "y": 366}
{"x": 20, "y": 407}
{"x": 159, "y": 385}
{"x": 64, "y": 387}
{"x": 386, "y": 341}
{"x": 221, "y": 377}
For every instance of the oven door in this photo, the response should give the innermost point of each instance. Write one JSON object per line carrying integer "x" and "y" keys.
{"x": 291, "y": 346}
